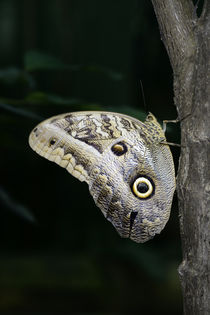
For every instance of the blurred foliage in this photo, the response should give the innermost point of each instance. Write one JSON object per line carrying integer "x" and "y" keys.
{"x": 58, "y": 253}
{"x": 14, "y": 206}
{"x": 34, "y": 61}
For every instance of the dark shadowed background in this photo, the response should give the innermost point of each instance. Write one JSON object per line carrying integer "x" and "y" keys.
{"x": 58, "y": 253}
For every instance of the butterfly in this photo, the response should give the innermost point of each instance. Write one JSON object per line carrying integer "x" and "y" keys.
{"x": 126, "y": 163}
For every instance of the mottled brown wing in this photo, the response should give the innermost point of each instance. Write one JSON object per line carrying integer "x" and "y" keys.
{"x": 130, "y": 174}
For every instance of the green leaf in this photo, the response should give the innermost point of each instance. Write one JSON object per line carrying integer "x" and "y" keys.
{"x": 42, "y": 98}
{"x": 114, "y": 75}
{"x": 20, "y": 111}
{"x": 35, "y": 61}
{"x": 12, "y": 76}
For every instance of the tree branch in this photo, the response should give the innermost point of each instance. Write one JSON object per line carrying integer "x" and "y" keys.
{"x": 176, "y": 20}
{"x": 187, "y": 40}
{"x": 205, "y": 16}
{"x": 206, "y": 9}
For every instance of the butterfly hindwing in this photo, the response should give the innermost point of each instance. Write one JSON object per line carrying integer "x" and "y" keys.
{"x": 129, "y": 173}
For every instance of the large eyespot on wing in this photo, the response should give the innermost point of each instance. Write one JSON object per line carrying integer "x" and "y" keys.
{"x": 143, "y": 187}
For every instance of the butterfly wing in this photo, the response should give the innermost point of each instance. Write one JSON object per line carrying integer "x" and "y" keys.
{"x": 129, "y": 173}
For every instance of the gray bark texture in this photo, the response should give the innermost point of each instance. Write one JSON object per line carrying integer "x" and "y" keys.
{"x": 186, "y": 37}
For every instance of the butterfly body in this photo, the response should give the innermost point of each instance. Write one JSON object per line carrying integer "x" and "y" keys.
{"x": 129, "y": 172}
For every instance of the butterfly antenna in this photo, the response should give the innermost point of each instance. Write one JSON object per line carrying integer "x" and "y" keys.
{"x": 143, "y": 96}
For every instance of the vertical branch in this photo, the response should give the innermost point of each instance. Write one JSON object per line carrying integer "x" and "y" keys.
{"x": 187, "y": 41}
{"x": 176, "y": 20}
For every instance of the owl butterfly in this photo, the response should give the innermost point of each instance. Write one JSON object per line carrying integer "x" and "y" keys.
{"x": 130, "y": 172}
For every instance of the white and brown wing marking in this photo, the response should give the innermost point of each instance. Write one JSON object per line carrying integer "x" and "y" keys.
{"x": 129, "y": 172}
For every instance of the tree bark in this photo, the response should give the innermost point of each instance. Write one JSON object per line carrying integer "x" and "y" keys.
{"x": 186, "y": 37}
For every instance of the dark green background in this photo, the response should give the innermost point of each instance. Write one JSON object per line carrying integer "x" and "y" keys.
{"x": 58, "y": 253}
